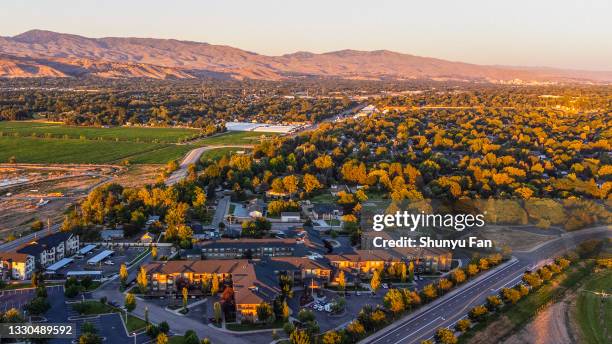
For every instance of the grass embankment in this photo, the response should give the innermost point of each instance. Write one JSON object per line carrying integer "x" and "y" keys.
{"x": 236, "y": 138}
{"x": 514, "y": 317}
{"x": 593, "y": 311}
{"x": 218, "y": 153}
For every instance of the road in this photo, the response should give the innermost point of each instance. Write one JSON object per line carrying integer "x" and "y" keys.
{"x": 13, "y": 245}
{"x": 447, "y": 310}
{"x": 192, "y": 157}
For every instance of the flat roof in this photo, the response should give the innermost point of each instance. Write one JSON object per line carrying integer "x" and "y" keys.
{"x": 60, "y": 264}
{"x": 83, "y": 273}
{"x": 100, "y": 256}
{"x": 87, "y": 249}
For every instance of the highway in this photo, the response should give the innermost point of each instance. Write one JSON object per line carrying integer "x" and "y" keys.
{"x": 447, "y": 310}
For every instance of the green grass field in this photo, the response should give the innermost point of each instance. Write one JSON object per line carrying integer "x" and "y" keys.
{"x": 236, "y": 138}
{"x": 218, "y": 153}
{"x": 31, "y": 150}
{"x": 593, "y": 316}
{"x": 132, "y": 134}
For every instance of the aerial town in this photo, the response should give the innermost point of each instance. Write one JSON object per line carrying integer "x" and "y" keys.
{"x": 167, "y": 190}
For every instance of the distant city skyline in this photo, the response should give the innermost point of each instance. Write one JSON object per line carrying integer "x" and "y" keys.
{"x": 568, "y": 34}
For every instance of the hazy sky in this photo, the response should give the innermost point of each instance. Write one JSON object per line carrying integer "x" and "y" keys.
{"x": 560, "y": 33}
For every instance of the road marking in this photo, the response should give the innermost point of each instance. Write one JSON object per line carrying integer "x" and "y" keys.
{"x": 419, "y": 329}
{"x": 511, "y": 282}
{"x": 467, "y": 290}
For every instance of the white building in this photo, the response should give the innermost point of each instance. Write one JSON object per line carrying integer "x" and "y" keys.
{"x": 50, "y": 249}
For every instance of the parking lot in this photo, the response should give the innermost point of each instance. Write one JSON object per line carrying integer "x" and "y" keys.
{"x": 328, "y": 321}
{"x": 108, "y": 266}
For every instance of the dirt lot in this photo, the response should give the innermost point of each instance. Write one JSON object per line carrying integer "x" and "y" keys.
{"x": 138, "y": 175}
{"x": 60, "y": 185}
{"x": 552, "y": 326}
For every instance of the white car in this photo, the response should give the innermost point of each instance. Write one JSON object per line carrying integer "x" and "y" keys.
{"x": 385, "y": 286}
{"x": 109, "y": 262}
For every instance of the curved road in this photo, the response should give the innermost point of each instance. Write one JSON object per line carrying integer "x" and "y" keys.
{"x": 446, "y": 311}
{"x": 192, "y": 157}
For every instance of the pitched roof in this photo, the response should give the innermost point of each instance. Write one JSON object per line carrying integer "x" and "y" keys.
{"x": 49, "y": 241}
{"x": 196, "y": 266}
{"x": 364, "y": 255}
{"x": 13, "y": 256}
{"x": 248, "y": 243}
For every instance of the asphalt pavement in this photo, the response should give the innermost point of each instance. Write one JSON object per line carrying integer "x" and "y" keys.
{"x": 447, "y": 310}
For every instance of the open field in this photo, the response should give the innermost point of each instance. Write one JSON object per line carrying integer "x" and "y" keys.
{"x": 35, "y": 150}
{"x": 235, "y": 138}
{"x": 132, "y": 134}
{"x": 594, "y": 312}
{"x": 218, "y": 153}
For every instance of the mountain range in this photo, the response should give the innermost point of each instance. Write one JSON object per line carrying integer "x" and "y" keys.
{"x": 39, "y": 53}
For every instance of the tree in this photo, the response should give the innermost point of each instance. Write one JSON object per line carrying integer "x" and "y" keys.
{"x": 394, "y": 301}
{"x": 458, "y": 276}
{"x": 341, "y": 280}
{"x": 185, "y": 293}
{"x": 411, "y": 271}
{"x": 285, "y": 311}
{"x": 154, "y": 252}
{"x": 355, "y": 329}
{"x": 37, "y": 226}
{"x": 430, "y": 292}
{"x": 311, "y": 183}
{"x": 532, "y": 279}
{"x": 142, "y": 280}
{"x": 89, "y": 338}
{"x": 218, "y": 312}
{"x": 123, "y": 274}
{"x": 493, "y": 302}
{"x": 264, "y": 312}
{"x": 299, "y": 337}
{"x": 472, "y": 270}
{"x": 191, "y": 338}
{"x": 375, "y": 281}
{"x": 162, "y": 338}
{"x": 463, "y": 325}
{"x": 445, "y": 336}
{"x": 511, "y": 295}
{"x": 214, "y": 288}
{"x": 477, "y": 313}
{"x": 444, "y": 284}
{"x": 130, "y": 302}
{"x": 332, "y": 337}
{"x": 403, "y": 272}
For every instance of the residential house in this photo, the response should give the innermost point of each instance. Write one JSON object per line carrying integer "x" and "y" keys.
{"x": 363, "y": 261}
{"x": 290, "y": 217}
{"x": 249, "y": 292}
{"x": 326, "y": 211}
{"x": 17, "y": 266}
{"x": 51, "y": 248}
{"x": 248, "y": 248}
{"x": 111, "y": 234}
